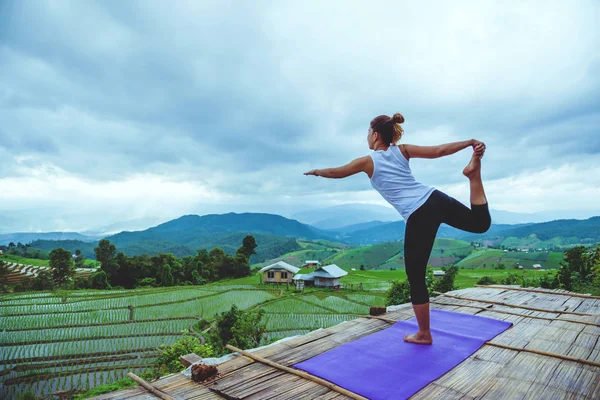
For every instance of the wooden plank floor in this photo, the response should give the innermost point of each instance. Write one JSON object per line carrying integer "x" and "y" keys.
{"x": 490, "y": 373}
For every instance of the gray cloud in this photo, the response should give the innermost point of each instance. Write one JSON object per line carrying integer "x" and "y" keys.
{"x": 244, "y": 97}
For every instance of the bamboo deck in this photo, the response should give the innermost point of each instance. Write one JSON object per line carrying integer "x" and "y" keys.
{"x": 490, "y": 373}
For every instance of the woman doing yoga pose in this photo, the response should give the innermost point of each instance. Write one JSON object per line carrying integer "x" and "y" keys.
{"x": 423, "y": 207}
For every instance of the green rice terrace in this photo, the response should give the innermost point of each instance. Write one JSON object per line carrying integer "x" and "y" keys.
{"x": 81, "y": 339}
{"x": 76, "y": 340}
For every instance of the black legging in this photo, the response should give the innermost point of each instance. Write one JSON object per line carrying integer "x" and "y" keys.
{"x": 421, "y": 228}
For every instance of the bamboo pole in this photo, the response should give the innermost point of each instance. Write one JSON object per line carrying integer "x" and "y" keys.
{"x": 393, "y": 321}
{"x": 583, "y": 296}
{"x": 545, "y": 353}
{"x": 513, "y": 313}
{"x": 299, "y": 373}
{"x": 154, "y": 390}
{"x": 518, "y": 306}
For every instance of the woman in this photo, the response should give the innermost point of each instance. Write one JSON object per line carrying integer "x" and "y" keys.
{"x": 423, "y": 208}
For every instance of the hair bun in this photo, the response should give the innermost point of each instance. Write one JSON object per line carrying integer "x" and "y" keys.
{"x": 398, "y": 118}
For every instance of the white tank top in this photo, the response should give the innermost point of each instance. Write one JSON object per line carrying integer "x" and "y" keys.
{"x": 394, "y": 180}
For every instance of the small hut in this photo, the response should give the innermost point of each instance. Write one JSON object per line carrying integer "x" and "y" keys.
{"x": 537, "y": 266}
{"x": 438, "y": 274}
{"x": 311, "y": 264}
{"x": 280, "y": 272}
{"x": 328, "y": 276}
{"x": 302, "y": 280}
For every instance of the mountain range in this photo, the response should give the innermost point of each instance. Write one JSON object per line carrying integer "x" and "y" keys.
{"x": 277, "y": 235}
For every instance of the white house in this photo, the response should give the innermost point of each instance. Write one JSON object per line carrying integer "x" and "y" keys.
{"x": 327, "y": 276}
{"x": 280, "y": 272}
{"x": 537, "y": 266}
{"x": 438, "y": 273}
{"x": 311, "y": 264}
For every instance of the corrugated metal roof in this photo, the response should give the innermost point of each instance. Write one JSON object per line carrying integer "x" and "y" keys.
{"x": 330, "y": 271}
{"x": 304, "y": 277}
{"x": 281, "y": 264}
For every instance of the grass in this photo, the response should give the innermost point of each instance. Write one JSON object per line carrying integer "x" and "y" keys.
{"x": 490, "y": 258}
{"x": 11, "y": 258}
{"x": 98, "y": 390}
{"x": 370, "y": 256}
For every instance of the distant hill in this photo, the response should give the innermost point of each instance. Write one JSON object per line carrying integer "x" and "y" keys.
{"x": 183, "y": 236}
{"x": 356, "y": 227}
{"x": 26, "y": 237}
{"x": 346, "y": 214}
{"x": 87, "y": 248}
{"x": 269, "y": 246}
{"x": 190, "y": 228}
{"x": 582, "y": 229}
{"x": 277, "y": 235}
{"x": 392, "y": 231}
{"x": 339, "y": 216}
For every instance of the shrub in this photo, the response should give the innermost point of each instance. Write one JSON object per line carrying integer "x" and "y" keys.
{"x": 486, "y": 280}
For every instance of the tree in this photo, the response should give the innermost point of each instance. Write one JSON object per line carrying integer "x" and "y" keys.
{"x": 126, "y": 274}
{"x": 44, "y": 281}
{"x": 98, "y": 280}
{"x": 242, "y": 266}
{"x": 398, "y": 293}
{"x": 168, "y": 360}
{"x": 165, "y": 278}
{"x": 446, "y": 283}
{"x": 239, "y": 328}
{"x": 197, "y": 279}
{"x": 79, "y": 259}
{"x": 61, "y": 263}
{"x": 3, "y": 275}
{"x": 362, "y": 267}
{"x": 575, "y": 267}
{"x": 106, "y": 253}
{"x": 248, "y": 246}
{"x": 595, "y": 265}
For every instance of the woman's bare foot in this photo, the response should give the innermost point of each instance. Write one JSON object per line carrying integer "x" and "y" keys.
{"x": 419, "y": 338}
{"x": 473, "y": 169}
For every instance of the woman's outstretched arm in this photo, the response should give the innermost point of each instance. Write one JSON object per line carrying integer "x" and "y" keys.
{"x": 443, "y": 150}
{"x": 355, "y": 166}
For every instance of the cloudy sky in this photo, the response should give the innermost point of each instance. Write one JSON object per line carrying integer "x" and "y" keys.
{"x": 116, "y": 110}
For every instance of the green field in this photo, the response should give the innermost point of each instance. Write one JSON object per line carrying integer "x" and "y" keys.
{"x": 490, "y": 258}
{"x": 59, "y": 341}
{"x": 370, "y": 256}
{"x": 77, "y": 340}
{"x": 533, "y": 242}
{"x": 10, "y": 258}
{"x": 383, "y": 256}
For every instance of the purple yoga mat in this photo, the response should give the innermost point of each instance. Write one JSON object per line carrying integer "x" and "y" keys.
{"x": 383, "y": 366}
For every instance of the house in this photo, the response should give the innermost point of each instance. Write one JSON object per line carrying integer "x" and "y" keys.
{"x": 437, "y": 274}
{"x": 311, "y": 264}
{"x": 515, "y": 364}
{"x": 520, "y": 267}
{"x": 280, "y": 272}
{"x": 327, "y": 276}
{"x": 537, "y": 266}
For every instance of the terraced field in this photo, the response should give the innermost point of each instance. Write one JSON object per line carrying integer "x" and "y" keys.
{"x": 80, "y": 339}
{"x": 20, "y": 272}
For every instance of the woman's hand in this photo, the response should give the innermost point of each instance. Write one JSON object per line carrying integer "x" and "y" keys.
{"x": 311, "y": 172}
{"x": 478, "y": 148}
